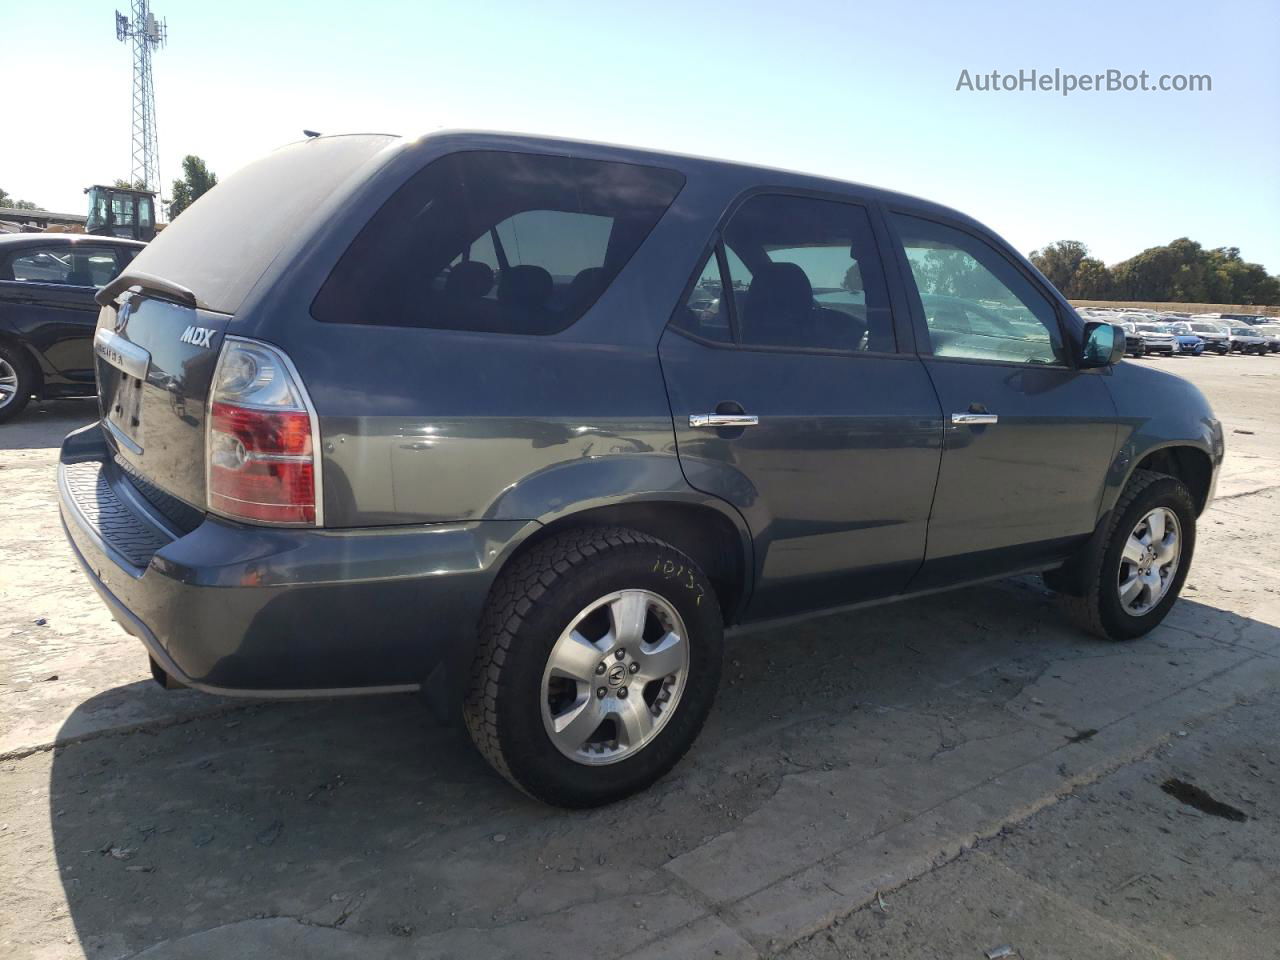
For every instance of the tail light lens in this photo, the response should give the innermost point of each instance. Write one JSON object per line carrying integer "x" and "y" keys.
{"x": 262, "y": 436}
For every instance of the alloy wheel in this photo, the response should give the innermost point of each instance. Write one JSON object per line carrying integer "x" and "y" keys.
{"x": 614, "y": 677}
{"x": 1149, "y": 561}
{"x": 8, "y": 382}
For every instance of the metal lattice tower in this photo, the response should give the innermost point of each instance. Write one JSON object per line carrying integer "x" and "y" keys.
{"x": 147, "y": 34}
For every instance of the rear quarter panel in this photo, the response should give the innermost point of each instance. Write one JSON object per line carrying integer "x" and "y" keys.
{"x": 421, "y": 425}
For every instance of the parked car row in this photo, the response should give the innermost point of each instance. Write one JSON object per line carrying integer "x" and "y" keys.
{"x": 1178, "y": 334}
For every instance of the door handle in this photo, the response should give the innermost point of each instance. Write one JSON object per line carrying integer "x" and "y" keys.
{"x": 973, "y": 419}
{"x": 719, "y": 420}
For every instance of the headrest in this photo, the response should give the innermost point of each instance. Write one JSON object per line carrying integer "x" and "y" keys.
{"x": 470, "y": 278}
{"x": 780, "y": 295}
{"x": 526, "y": 285}
{"x": 587, "y": 283}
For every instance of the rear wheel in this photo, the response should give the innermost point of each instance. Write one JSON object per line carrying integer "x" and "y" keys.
{"x": 1144, "y": 560}
{"x": 599, "y": 660}
{"x": 16, "y": 381}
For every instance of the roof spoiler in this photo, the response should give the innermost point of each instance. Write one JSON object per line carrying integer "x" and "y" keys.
{"x": 139, "y": 281}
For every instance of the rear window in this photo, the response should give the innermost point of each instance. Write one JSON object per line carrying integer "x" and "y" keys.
{"x": 222, "y": 244}
{"x": 497, "y": 242}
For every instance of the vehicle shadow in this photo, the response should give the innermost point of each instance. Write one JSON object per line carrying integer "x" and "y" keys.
{"x": 44, "y": 424}
{"x": 367, "y": 815}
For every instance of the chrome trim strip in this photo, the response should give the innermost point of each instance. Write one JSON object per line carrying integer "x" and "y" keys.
{"x": 974, "y": 419}
{"x": 121, "y": 354}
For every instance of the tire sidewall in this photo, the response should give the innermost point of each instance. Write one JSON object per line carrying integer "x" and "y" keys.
{"x": 25, "y": 385}
{"x": 1165, "y": 492}
{"x": 534, "y": 761}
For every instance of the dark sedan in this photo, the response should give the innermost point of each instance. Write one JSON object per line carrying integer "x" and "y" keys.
{"x": 47, "y": 312}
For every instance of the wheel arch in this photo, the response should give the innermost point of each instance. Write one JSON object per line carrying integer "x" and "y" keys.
{"x": 718, "y": 543}
{"x": 709, "y": 531}
{"x": 1187, "y": 462}
{"x": 34, "y": 367}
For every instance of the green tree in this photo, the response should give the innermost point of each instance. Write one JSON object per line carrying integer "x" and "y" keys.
{"x": 8, "y": 200}
{"x": 1183, "y": 271}
{"x": 1060, "y": 261}
{"x": 197, "y": 180}
{"x": 1069, "y": 267}
{"x": 127, "y": 185}
{"x": 1092, "y": 281}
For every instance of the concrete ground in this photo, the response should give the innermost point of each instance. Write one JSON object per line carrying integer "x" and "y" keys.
{"x": 947, "y": 778}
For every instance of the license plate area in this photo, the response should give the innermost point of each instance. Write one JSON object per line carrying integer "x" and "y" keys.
{"x": 122, "y": 371}
{"x": 124, "y": 415}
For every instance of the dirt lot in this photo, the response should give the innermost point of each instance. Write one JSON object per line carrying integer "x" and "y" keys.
{"x": 938, "y": 779}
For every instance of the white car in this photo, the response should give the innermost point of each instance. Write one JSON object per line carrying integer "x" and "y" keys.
{"x": 1155, "y": 338}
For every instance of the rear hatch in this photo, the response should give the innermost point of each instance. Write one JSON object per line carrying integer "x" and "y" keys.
{"x": 164, "y": 320}
{"x": 154, "y": 362}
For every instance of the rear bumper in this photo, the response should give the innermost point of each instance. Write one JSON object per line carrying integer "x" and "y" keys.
{"x": 274, "y": 612}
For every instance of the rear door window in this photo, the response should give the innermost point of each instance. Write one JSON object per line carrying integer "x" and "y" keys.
{"x": 806, "y": 274}
{"x": 497, "y": 242}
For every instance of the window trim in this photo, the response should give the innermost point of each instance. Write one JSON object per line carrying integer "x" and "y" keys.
{"x": 714, "y": 249}
{"x": 716, "y": 243}
{"x": 924, "y": 343}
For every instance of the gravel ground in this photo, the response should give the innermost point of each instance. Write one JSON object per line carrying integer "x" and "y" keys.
{"x": 936, "y": 779}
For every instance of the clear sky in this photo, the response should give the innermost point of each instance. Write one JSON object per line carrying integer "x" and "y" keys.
{"x": 859, "y": 90}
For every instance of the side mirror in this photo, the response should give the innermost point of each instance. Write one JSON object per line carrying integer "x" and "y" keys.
{"x": 1103, "y": 345}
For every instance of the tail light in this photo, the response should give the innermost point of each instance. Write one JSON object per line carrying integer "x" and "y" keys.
{"x": 262, "y": 436}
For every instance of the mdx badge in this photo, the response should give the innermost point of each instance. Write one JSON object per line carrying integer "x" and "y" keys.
{"x": 197, "y": 336}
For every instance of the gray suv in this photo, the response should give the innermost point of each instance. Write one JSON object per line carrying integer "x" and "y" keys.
{"x": 526, "y": 424}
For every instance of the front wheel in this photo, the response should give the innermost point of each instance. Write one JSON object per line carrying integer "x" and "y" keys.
{"x": 598, "y": 663}
{"x": 1144, "y": 560}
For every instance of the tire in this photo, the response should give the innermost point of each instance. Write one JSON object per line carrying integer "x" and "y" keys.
{"x": 17, "y": 382}
{"x": 1098, "y": 608}
{"x": 509, "y": 704}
